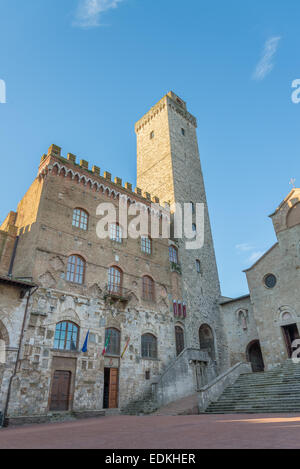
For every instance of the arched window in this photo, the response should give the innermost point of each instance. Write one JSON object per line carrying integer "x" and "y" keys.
{"x": 66, "y": 336}
{"x": 149, "y": 346}
{"x": 179, "y": 336}
{"x": 146, "y": 244}
{"x": 80, "y": 219}
{"x": 116, "y": 233}
{"x": 76, "y": 269}
{"x": 207, "y": 342}
{"x": 148, "y": 288}
{"x": 173, "y": 254}
{"x": 194, "y": 227}
{"x": 115, "y": 280}
{"x": 112, "y": 341}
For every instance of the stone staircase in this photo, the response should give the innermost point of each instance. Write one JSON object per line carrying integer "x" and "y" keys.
{"x": 186, "y": 406}
{"x": 274, "y": 391}
{"x": 144, "y": 405}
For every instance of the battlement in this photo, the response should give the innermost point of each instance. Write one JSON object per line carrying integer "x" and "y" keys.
{"x": 54, "y": 151}
{"x": 171, "y": 101}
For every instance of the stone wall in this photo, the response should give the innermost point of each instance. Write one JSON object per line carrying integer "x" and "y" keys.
{"x": 12, "y": 310}
{"x": 240, "y": 327}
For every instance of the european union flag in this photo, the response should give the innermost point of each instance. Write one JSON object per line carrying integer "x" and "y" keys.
{"x": 85, "y": 345}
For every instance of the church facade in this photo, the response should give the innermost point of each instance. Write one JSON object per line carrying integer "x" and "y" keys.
{"x": 263, "y": 327}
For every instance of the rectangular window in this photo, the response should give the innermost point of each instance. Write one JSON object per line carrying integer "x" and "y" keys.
{"x": 116, "y": 233}
{"x": 146, "y": 245}
{"x": 183, "y": 132}
{"x": 173, "y": 255}
{"x": 175, "y": 310}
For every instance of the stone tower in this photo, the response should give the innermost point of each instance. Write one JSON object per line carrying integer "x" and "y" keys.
{"x": 168, "y": 165}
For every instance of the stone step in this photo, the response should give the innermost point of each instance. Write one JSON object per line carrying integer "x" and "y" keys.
{"x": 277, "y": 390}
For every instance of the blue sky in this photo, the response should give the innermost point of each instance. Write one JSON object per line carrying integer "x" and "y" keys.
{"x": 81, "y": 74}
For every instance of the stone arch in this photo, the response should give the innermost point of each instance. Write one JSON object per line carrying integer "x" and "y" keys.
{"x": 69, "y": 315}
{"x": 207, "y": 340}
{"x": 254, "y": 356}
{"x": 242, "y": 317}
{"x": 4, "y": 334}
{"x": 286, "y": 315}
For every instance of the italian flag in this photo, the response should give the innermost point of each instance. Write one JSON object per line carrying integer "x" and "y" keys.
{"x": 106, "y": 344}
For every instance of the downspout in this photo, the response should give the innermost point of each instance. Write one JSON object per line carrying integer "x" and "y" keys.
{"x": 12, "y": 261}
{"x": 30, "y": 293}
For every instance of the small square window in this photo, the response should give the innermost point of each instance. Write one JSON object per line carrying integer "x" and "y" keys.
{"x": 152, "y": 135}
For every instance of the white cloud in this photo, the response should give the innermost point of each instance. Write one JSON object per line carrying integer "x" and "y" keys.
{"x": 244, "y": 247}
{"x": 255, "y": 256}
{"x": 89, "y": 12}
{"x": 266, "y": 64}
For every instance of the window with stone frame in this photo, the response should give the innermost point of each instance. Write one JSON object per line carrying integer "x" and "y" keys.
{"x": 80, "y": 219}
{"x": 113, "y": 340}
{"x": 173, "y": 254}
{"x": 116, "y": 233}
{"x": 115, "y": 277}
{"x": 149, "y": 346}
{"x": 146, "y": 244}
{"x": 148, "y": 288}
{"x": 76, "y": 269}
{"x": 66, "y": 336}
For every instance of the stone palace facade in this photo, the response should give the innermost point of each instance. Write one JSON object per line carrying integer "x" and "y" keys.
{"x": 90, "y": 325}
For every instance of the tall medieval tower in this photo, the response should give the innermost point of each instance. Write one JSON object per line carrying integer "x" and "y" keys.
{"x": 168, "y": 165}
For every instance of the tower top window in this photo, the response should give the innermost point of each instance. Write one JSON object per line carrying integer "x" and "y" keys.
{"x": 152, "y": 135}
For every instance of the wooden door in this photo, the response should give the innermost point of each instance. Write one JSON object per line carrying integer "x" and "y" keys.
{"x": 60, "y": 391}
{"x": 113, "y": 388}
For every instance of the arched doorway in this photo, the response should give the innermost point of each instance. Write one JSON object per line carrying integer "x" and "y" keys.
{"x": 255, "y": 357}
{"x": 207, "y": 341}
